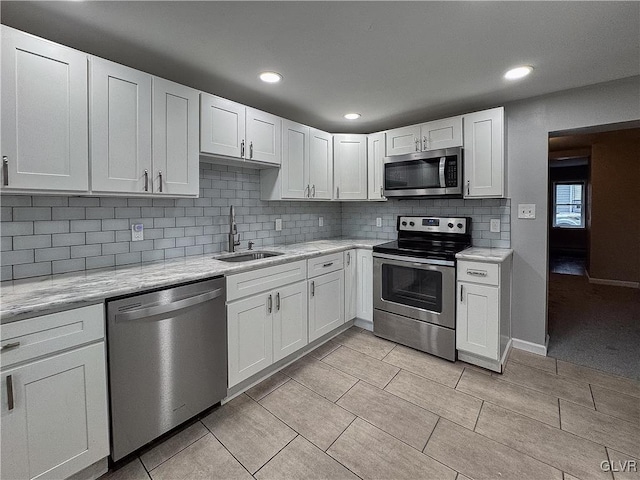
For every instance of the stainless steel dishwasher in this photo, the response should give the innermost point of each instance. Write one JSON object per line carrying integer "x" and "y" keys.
{"x": 167, "y": 360}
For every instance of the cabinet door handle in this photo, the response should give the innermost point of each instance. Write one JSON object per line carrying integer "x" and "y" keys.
{"x": 306, "y": 191}
{"x": 381, "y": 192}
{"x": 5, "y": 170}
{"x": 160, "y": 177}
{"x": 146, "y": 180}
{"x": 327, "y": 264}
{"x": 10, "y": 392}
{"x": 348, "y": 258}
{"x": 461, "y": 293}
{"x": 425, "y": 143}
{"x": 242, "y": 149}
{"x": 9, "y": 346}
{"x": 468, "y": 185}
{"x": 417, "y": 142}
{"x": 277, "y": 301}
{"x": 313, "y": 288}
{"x": 270, "y": 304}
{"x": 337, "y": 192}
{"x": 251, "y": 150}
{"x": 313, "y": 188}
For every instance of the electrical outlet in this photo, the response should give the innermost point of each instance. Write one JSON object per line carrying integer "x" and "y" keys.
{"x": 378, "y": 222}
{"x": 278, "y": 224}
{"x": 495, "y": 225}
{"x": 320, "y": 221}
{"x": 527, "y": 211}
{"x": 137, "y": 232}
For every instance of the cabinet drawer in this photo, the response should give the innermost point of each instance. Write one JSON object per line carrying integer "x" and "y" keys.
{"x": 263, "y": 279}
{"x": 476, "y": 272}
{"x": 325, "y": 264}
{"x": 48, "y": 334}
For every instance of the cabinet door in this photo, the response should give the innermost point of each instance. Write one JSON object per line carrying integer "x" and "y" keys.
{"x": 295, "y": 160}
{"x": 45, "y": 136}
{"x": 120, "y": 128}
{"x": 478, "y": 322}
{"x": 350, "y": 166}
{"x": 58, "y": 423}
{"x": 222, "y": 124}
{"x": 326, "y": 304}
{"x": 445, "y": 133}
{"x": 401, "y": 141}
{"x": 175, "y": 139}
{"x": 350, "y": 285}
{"x": 264, "y": 133}
{"x": 289, "y": 320}
{"x": 484, "y": 154}
{"x": 375, "y": 160}
{"x": 320, "y": 164}
{"x": 364, "y": 288}
{"x": 250, "y": 338}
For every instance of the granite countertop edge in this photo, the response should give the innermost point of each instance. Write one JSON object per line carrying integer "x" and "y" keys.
{"x": 28, "y": 298}
{"x": 485, "y": 254}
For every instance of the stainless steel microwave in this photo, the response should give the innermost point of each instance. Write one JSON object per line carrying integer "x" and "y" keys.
{"x": 424, "y": 174}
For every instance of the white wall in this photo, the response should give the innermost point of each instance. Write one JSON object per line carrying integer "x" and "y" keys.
{"x": 528, "y": 125}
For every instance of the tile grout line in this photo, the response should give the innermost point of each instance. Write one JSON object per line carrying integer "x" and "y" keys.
{"x": 595, "y": 407}
{"x": 478, "y": 417}
{"x": 275, "y": 454}
{"x": 348, "y": 390}
{"x": 606, "y": 450}
{"x": 431, "y": 434}
{"x": 345, "y": 429}
{"x": 229, "y": 451}
{"x": 182, "y": 449}
{"x": 389, "y": 353}
{"x": 391, "y": 380}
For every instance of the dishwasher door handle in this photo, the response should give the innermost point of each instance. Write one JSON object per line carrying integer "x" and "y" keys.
{"x": 169, "y": 307}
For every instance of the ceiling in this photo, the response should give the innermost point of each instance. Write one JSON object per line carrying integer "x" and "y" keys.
{"x": 396, "y": 63}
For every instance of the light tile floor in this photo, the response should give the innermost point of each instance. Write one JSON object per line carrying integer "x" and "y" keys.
{"x": 363, "y": 407}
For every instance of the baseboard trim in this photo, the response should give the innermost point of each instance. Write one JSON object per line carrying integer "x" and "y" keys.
{"x": 615, "y": 283}
{"x": 366, "y": 324}
{"x": 530, "y": 346}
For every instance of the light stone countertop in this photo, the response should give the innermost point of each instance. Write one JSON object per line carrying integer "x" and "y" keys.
{"x": 27, "y": 298}
{"x": 480, "y": 254}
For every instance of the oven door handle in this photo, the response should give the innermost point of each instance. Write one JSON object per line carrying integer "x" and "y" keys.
{"x": 415, "y": 261}
{"x": 441, "y": 170}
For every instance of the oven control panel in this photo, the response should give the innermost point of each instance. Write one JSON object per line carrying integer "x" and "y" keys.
{"x": 433, "y": 224}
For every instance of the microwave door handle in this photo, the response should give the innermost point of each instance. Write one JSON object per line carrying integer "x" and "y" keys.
{"x": 443, "y": 163}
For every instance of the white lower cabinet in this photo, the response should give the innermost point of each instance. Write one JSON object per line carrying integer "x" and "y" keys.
{"x": 350, "y": 285}
{"x": 364, "y": 286}
{"x": 326, "y": 303}
{"x": 54, "y": 409}
{"x": 289, "y": 320}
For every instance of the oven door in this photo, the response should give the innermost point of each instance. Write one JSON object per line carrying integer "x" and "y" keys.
{"x": 415, "y": 288}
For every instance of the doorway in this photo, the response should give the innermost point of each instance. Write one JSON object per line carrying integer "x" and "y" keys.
{"x": 594, "y": 249}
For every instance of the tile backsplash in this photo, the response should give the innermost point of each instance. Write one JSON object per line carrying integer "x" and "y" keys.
{"x": 43, "y": 235}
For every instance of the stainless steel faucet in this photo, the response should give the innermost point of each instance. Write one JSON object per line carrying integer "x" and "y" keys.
{"x": 233, "y": 230}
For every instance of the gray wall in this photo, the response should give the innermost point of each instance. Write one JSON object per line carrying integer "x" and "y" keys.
{"x": 359, "y": 218}
{"x": 528, "y": 125}
{"x": 42, "y": 235}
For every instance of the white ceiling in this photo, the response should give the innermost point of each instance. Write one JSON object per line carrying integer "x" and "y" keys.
{"x": 397, "y": 63}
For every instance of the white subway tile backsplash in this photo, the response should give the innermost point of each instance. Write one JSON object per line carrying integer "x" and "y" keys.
{"x": 31, "y": 241}
{"x": 68, "y": 213}
{"x": 21, "y": 214}
{"x": 64, "y": 239}
{"x": 55, "y": 253}
{"x": 31, "y": 270}
{"x": 56, "y": 226}
{"x": 64, "y": 266}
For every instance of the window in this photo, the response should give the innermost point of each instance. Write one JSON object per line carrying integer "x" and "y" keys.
{"x": 568, "y": 205}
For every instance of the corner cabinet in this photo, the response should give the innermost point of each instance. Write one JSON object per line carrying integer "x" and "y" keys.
{"x": 45, "y": 139}
{"x": 54, "y": 394}
{"x": 229, "y": 129}
{"x": 483, "y": 312}
{"x": 484, "y": 162}
{"x": 350, "y": 167}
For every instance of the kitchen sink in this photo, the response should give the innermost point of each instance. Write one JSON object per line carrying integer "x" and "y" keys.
{"x": 247, "y": 256}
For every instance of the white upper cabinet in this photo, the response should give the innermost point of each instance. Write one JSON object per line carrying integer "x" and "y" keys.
{"x": 120, "y": 128}
{"x": 375, "y": 161}
{"x": 350, "y": 167}
{"x": 222, "y": 126}
{"x": 484, "y": 164}
{"x": 320, "y": 164}
{"x": 295, "y": 160}
{"x": 445, "y": 133}
{"x": 45, "y": 141}
{"x": 230, "y": 129}
{"x": 175, "y": 139}
{"x": 264, "y": 133}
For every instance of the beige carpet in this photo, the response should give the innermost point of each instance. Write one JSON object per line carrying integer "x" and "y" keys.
{"x": 594, "y": 325}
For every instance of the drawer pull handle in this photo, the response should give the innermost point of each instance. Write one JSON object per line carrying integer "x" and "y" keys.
{"x": 313, "y": 288}
{"x": 9, "y": 346}
{"x": 348, "y": 258}
{"x": 476, "y": 273}
{"x": 10, "y": 392}
{"x": 277, "y": 301}
{"x": 327, "y": 264}
{"x": 461, "y": 293}
{"x": 270, "y": 304}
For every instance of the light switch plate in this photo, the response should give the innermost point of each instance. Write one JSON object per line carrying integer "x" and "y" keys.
{"x": 527, "y": 211}
{"x": 278, "y": 224}
{"x": 378, "y": 222}
{"x": 320, "y": 221}
{"x": 495, "y": 225}
{"x": 137, "y": 232}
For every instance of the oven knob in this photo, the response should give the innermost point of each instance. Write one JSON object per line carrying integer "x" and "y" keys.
{"x": 404, "y": 224}
{"x": 450, "y": 225}
{"x": 412, "y": 224}
{"x": 459, "y": 225}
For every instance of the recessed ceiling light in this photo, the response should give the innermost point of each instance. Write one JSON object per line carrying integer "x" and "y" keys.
{"x": 352, "y": 116}
{"x": 270, "y": 77}
{"x": 518, "y": 72}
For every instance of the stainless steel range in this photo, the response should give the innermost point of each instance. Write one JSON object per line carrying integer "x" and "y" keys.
{"x": 414, "y": 283}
